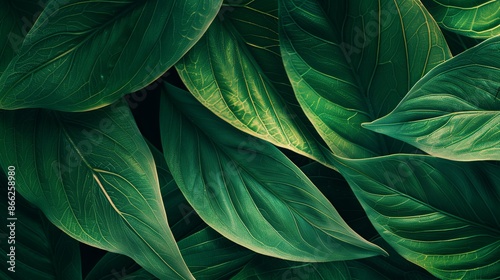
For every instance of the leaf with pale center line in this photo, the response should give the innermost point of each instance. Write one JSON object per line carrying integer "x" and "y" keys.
{"x": 473, "y": 18}
{"x": 439, "y": 214}
{"x": 236, "y": 71}
{"x": 83, "y": 55}
{"x": 248, "y": 191}
{"x": 353, "y": 62}
{"x": 454, "y": 111}
{"x": 94, "y": 177}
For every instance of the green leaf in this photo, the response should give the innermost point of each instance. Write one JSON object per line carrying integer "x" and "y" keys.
{"x": 16, "y": 19}
{"x": 212, "y": 256}
{"x": 83, "y": 55}
{"x": 352, "y": 62}
{"x": 336, "y": 189}
{"x": 206, "y": 253}
{"x": 182, "y": 218}
{"x": 236, "y": 71}
{"x": 476, "y": 18}
{"x": 439, "y": 214}
{"x": 269, "y": 268}
{"x": 41, "y": 250}
{"x": 454, "y": 111}
{"x": 118, "y": 267}
{"x": 248, "y": 191}
{"x": 94, "y": 177}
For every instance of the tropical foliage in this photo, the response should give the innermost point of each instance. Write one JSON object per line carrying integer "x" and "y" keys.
{"x": 250, "y": 139}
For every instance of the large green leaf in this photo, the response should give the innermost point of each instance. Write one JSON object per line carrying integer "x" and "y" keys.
{"x": 352, "y": 62}
{"x": 247, "y": 190}
{"x": 41, "y": 250}
{"x": 386, "y": 268}
{"x": 439, "y": 214}
{"x": 454, "y": 111}
{"x": 82, "y": 55}
{"x": 236, "y": 71}
{"x": 473, "y": 18}
{"x": 93, "y": 176}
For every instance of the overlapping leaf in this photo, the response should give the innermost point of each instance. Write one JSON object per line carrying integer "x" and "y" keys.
{"x": 476, "y": 18}
{"x": 41, "y": 250}
{"x": 236, "y": 71}
{"x": 375, "y": 268}
{"x": 438, "y": 214}
{"x": 16, "y": 19}
{"x": 459, "y": 43}
{"x": 454, "y": 111}
{"x": 211, "y": 256}
{"x": 352, "y": 62}
{"x": 93, "y": 176}
{"x": 182, "y": 218}
{"x": 83, "y": 55}
{"x": 207, "y": 253}
{"x": 247, "y": 190}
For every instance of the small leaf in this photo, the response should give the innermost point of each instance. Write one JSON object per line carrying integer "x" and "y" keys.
{"x": 439, "y": 214}
{"x": 477, "y": 18}
{"x": 248, "y": 191}
{"x": 94, "y": 177}
{"x": 352, "y": 62}
{"x": 454, "y": 111}
{"x": 83, "y": 55}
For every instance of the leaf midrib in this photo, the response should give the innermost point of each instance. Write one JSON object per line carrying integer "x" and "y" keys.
{"x": 418, "y": 201}
{"x": 108, "y": 198}
{"x": 91, "y": 35}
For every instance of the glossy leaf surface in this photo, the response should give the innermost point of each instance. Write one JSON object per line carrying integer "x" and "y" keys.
{"x": 227, "y": 177}
{"x": 454, "y": 111}
{"x": 83, "y": 55}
